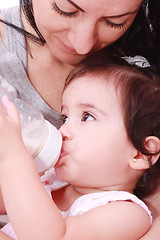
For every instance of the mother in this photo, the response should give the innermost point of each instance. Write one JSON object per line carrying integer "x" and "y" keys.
{"x": 47, "y": 38}
{"x": 41, "y": 42}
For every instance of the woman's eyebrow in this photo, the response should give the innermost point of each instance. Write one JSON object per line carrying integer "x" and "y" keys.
{"x": 75, "y": 5}
{"x": 116, "y": 16}
{"x": 122, "y": 15}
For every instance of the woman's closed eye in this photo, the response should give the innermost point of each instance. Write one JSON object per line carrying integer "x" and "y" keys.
{"x": 87, "y": 117}
{"x": 113, "y": 24}
{"x": 64, "y": 13}
{"x": 71, "y": 11}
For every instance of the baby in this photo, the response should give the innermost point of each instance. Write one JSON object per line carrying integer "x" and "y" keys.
{"x": 110, "y": 154}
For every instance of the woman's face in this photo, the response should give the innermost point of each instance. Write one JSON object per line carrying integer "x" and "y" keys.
{"x": 73, "y": 28}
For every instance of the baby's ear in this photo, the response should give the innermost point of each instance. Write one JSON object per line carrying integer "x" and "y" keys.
{"x": 141, "y": 161}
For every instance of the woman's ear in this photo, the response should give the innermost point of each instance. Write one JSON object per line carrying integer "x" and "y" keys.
{"x": 141, "y": 161}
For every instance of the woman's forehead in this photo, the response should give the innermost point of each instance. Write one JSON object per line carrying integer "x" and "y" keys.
{"x": 109, "y": 6}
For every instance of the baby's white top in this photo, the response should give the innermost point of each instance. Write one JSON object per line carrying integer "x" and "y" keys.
{"x": 83, "y": 203}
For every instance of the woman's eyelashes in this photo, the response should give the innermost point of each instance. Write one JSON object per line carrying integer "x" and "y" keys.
{"x": 114, "y": 25}
{"x": 62, "y": 12}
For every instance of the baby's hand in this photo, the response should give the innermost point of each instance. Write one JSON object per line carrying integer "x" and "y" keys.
{"x": 10, "y": 131}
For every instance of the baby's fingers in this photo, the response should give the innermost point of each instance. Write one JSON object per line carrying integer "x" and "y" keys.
{"x": 10, "y": 109}
{"x": 1, "y": 111}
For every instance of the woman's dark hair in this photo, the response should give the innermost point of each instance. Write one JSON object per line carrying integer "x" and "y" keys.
{"x": 140, "y": 102}
{"x": 26, "y": 6}
{"x": 142, "y": 38}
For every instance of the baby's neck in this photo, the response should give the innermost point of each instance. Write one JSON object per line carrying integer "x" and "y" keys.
{"x": 66, "y": 196}
{"x": 84, "y": 191}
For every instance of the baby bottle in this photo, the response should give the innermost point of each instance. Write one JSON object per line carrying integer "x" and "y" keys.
{"x": 41, "y": 138}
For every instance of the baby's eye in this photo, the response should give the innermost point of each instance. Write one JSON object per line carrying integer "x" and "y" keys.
{"x": 87, "y": 117}
{"x": 64, "y": 118}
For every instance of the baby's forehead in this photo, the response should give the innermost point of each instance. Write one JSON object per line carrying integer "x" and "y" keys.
{"x": 113, "y": 77}
{"x": 97, "y": 85}
{"x": 92, "y": 78}
{"x": 101, "y": 79}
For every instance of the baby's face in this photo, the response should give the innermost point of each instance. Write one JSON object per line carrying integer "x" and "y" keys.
{"x": 96, "y": 148}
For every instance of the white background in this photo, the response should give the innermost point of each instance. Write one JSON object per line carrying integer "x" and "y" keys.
{"x": 8, "y": 3}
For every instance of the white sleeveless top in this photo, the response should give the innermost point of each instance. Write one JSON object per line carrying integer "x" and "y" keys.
{"x": 91, "y": 200}
{"x": 83, "y": 203}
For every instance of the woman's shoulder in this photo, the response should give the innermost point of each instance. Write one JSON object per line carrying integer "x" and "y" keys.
{"x": 12, "y": 17}
{"x": 2, "y": 35}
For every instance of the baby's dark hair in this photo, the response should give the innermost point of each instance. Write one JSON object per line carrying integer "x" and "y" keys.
{"x": 140, "y": 101}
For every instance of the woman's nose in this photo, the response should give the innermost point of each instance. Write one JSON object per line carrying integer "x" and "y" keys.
{"x": 83, "y": 37}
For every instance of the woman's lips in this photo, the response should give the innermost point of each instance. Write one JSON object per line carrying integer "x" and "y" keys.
{"x": 69, "y": 49}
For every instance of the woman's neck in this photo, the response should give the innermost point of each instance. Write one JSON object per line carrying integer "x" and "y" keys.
{"x": 46, "y": 73}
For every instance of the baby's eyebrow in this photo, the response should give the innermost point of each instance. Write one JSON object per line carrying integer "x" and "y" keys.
{"x": 91, "y": 106}
{"x": 75, "y": 5}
